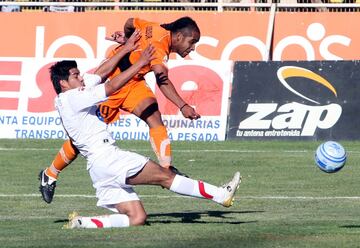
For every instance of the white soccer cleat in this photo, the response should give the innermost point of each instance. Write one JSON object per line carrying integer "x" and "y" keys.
{"x": 230, "y": 189}
{"x": 74, "y": 221}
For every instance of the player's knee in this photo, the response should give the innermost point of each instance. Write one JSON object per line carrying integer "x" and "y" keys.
{"x": 167, "y": 177}
{"x": 138, "y": 220}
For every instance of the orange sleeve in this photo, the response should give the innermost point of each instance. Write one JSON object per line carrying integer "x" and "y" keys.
{"x": 161, "y": 55}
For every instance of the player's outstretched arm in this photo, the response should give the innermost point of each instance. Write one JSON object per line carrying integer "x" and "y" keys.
{"x": 109, "y": 65}
{"x": 169, "y": 91}
{"x": 120, "y": 80}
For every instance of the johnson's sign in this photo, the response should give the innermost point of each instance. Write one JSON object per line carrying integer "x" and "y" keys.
{"x": 27, "y": 109}
{"x": 296, "y": 36}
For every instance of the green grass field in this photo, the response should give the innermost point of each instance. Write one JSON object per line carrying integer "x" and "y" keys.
{"x": 283, "y": 201}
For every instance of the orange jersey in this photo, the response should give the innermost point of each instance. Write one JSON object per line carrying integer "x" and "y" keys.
{"x": 151, "y": 33}
{"x": 136, "y": 90}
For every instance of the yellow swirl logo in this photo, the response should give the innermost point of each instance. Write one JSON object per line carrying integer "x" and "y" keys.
{"x": 286, "y": 72}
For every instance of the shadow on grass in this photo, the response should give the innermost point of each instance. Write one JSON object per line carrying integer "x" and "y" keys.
{"x": 192, "y": 217}
{"x": 195, "y": 217}
{"x": 350, "y": 226}
{"x": 61, "y": 221}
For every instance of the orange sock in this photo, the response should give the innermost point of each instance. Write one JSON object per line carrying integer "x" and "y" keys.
{"x": 63, "y": 158}
{"x": 160, "y": 143}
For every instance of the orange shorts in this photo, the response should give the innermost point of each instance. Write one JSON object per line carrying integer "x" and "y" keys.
{"x": 127, "y": 98}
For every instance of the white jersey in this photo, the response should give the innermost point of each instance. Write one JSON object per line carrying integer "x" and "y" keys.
{"x": 77, "y": 109}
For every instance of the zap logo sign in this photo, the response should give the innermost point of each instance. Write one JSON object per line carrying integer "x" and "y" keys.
{"x": 286, "y": 72}
{"x": 285, "y": 101}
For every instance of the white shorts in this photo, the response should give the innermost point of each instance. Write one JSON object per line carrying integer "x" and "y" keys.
{"x": 109, "y": 172}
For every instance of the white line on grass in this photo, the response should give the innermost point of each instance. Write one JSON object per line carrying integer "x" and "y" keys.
{"x": 145, "y": 150}
{"x": 81, "y": 196}
{"x": 181, "y": 196}
{"x": 26, "y": 149}
{"x": 180, "y": 151}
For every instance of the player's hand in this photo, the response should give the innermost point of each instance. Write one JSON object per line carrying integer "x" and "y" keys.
{"x": 132, "y": 43}
{"x": 147, "y": 55}
{"x": 118, "y": 36}
{"x": 189, "y": 112}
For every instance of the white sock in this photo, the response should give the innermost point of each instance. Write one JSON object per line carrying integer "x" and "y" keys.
{"x": 105, "y": 221}
{"x": 119, "y": 220}
{"x": 187, "y": 186}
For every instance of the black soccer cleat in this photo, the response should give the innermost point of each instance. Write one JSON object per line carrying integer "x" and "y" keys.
{"x": 176, "y": 171}
{"x": 46, "y": 189}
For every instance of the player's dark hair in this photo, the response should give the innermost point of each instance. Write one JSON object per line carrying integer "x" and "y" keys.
{"x": 60, "y": 71}
{"x": 186, "y": 25}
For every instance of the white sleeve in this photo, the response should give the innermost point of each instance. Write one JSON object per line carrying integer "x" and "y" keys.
{"x": 91, "y": 80}
{"x": 84, "y": 97}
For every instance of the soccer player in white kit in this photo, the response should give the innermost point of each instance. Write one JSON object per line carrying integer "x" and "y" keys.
{"x": 114, "y": 171}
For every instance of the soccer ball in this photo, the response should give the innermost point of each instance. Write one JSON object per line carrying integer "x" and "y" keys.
{"x": 330, "y": 156}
